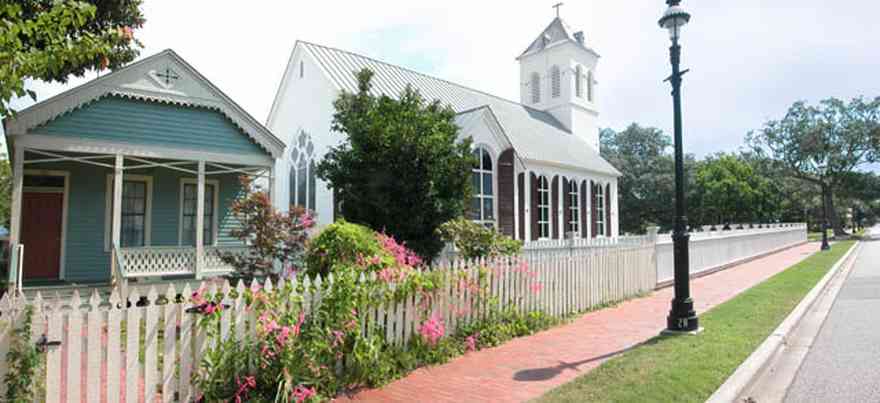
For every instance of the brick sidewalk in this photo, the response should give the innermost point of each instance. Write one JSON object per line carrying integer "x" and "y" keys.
{"x": 528, "y": 367}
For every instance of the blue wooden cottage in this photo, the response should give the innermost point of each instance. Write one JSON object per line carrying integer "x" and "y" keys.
{"x": 131, "y": 175}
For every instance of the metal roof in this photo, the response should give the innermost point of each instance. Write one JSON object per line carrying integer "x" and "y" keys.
{"x": 557, "y": 31}
{"x": 535, "y": 134}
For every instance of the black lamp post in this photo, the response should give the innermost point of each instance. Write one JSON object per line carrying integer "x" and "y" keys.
{"x": 825, "y": 245}
{"x": 682, "y": 317}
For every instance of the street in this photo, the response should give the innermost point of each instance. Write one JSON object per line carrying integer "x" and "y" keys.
{"x": 842, "y": 364}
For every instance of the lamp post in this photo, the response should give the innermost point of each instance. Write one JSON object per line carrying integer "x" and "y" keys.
{"x": 682, "y": 317}
{"x": 825, "y": 245}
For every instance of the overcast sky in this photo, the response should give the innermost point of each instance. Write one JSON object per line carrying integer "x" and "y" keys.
{"x": 749, "y": 59}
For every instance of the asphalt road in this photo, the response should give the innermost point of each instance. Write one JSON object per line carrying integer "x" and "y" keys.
{"x": 843, "y": 365}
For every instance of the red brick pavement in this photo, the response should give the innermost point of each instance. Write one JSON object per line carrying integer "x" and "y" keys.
{"x": 528, "y": 367}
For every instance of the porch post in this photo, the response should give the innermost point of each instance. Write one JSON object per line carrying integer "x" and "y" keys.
{"x": 116, "y": 226}
{"x": 200, "y": 221}
{"x": 15, "y": 216}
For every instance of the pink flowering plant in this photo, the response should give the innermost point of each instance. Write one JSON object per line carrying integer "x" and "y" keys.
{"x": 322, "y": 330}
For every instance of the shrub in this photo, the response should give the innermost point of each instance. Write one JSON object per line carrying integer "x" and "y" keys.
{"x": 340, "y": 243}
{"x": 476, "y": 241}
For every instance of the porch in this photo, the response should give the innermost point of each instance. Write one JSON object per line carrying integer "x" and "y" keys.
{"x": 166, "y": 219}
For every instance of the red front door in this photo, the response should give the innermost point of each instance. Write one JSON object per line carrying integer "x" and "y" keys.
{"x": 41, "y": 234}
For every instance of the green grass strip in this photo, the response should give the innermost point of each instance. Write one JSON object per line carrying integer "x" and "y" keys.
{"x": 691, "y": 368}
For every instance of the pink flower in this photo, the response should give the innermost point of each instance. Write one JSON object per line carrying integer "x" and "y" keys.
{"x": 299, "y": 322}
{"x": 338, "y": 338}
{"x": 283, "y": 334}
{"x": 249, "y": 383}
{"x": 307, "y": 220}
{"x": 302, "y": 393}
{"x": 536, "y": 287}
{"x": 432, "y": 329}
{"x": 470, "y": 342}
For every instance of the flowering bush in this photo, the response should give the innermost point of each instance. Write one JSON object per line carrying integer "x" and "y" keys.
{"x": 272, "y": 236}
{"x": 314, "y": 338}
{"x": 476, "y": 241}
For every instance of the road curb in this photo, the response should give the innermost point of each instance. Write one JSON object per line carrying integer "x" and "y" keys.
{"x": 742, "y": 377}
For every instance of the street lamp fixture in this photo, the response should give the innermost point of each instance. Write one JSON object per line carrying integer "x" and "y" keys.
{"x": 682, "y": 317}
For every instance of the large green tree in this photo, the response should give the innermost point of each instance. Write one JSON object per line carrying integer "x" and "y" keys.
{"x": 51, "y": 40}
{"x": 822, "y": 144}
{"x": 402, "y": 169}
{"x": 647, "y": 188}
{"x": 731, "y": 190}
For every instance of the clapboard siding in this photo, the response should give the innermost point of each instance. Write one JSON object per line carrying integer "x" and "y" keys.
{"x": 86, "y": 260}
{"x": 153, "y": 124}
{"x": 505, "y": 193}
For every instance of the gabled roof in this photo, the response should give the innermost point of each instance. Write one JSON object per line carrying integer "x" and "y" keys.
{"x": 535, "y": 134}
{"x": 143, "y": 80}
{"x": 557, "y": 31}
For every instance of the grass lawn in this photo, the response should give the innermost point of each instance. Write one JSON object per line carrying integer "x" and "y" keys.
{"x": 691, "y": 368}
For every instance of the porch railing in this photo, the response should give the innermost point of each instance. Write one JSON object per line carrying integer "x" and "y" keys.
{"x": 158, "y": 261}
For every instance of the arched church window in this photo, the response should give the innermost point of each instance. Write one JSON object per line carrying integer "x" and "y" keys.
{"x": 578, "y": 81}
{"x": 601, "y": 198}
{"x": 482, "y": 208}
{"x": 543, "y": 207}
{"x": 535, "y": 87}
{"x": 302, "y": 172}
{"x": 555, "y": 81}
{"x": 590, "y": 86}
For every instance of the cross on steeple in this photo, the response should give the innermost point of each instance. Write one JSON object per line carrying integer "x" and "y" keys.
{"x": 557, "y": 6}
{"x": 168, "y": 75}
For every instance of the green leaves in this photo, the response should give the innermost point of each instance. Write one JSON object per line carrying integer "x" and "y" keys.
{"x": 50, "y": 41}
{"x": 402, "y": 169}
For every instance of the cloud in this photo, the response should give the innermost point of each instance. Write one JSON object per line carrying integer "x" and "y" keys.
{"x": 750, "y": 59}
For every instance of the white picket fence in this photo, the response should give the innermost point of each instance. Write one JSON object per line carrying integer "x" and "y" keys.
{"x": 110, "y": 352}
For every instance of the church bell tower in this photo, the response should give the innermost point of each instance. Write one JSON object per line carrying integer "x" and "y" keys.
{"x": 558, "y": 75}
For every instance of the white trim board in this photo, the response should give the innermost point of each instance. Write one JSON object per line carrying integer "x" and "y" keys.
{"x": 62, "y": 264}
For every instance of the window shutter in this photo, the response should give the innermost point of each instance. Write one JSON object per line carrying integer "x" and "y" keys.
{"x": 521, "y": 181}
{"x": 534, "y": 207}
{"x": 584, "y": 207}
{"x": 608, "y": 210}
{"x": 554, "y": 207}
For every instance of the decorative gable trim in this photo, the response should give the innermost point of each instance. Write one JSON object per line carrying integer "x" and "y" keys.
{"x": 134, "y": 82}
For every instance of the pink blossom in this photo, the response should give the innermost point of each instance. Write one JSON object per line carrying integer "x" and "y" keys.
{"x": 338, "y": 338}
{"x": 536, "y": 287}
{"x": 307, "y": 220}
{"x": 283, "y": 334}
{"x": 249, "y": 383}
{"x": 302, "y": 393}
{"x": 470, "y": 342}
{"x": 432, "y": 329}
{"x": 299, "y": 322}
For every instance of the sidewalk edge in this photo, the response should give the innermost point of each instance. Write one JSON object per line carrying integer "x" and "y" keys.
{"x": 740, "y": 379}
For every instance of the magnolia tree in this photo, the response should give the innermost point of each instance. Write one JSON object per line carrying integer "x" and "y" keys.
{"x": 51, "y": 40}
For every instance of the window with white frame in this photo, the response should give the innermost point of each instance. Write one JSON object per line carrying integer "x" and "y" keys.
{"x": 535, "y": 87}
{"x": 482, "y": 208}
{"x": 555, "y": 81}
{"x": 590, "y": 86}
{"x": 136, "y": 211}
{"x": 600, "y": 210}
{"x": 188, "y": 212}
{"x": 302, "y": 172}
{"x": 578, "y": 81}
{"x": 574, "y": 221}
{"x": 543, "y": 207}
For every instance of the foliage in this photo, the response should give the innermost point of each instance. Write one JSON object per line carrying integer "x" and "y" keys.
{"x": 25, "y": 363}
{"x": 731, "y": 189}
{"x": 690, "y": 369}
{"x": 272, "y": 236}
{"x": 402, "y": 169}
{"x": 50, "y": 40}
{"x": 476, "y": 241}
{"x": 340, "y": 243}
{"x": 305, "y": 347}
{"x": 821, "y": 144}
{"x": 647, "y": 187}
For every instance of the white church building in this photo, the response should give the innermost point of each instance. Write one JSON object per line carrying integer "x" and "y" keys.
{"x": 540, "y": 175}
